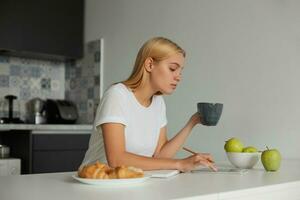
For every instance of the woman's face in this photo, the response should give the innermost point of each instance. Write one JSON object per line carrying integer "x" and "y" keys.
{"x": 166, "y": 74}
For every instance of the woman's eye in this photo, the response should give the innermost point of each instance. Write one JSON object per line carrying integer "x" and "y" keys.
{"x": 172, "y": 69}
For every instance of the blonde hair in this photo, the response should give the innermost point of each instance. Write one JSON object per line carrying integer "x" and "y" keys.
{"x": 158, "y": 48}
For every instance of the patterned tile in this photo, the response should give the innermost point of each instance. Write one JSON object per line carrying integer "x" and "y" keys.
{"x": 4, "y": 69}
{"x": 78, "y": 72}
{"x": 24, "y": 93}
{"x": 90, "y": 81}
{"x": 67, "y": 86}
{"x": 67, "y": 71}
{"x": 83, "y": 106}
{"x": 45, "y": 71}
{"x": 35, "y": 84}
{"x": 4, "y": 81}
{"x": 96, "y": 93}
{"x": 97, "y": 80}
{"x": 90, "y": 104}
{"x": 25, "y": 71}
{"x": 83, "y": 83}
{"x": 47, "y": 94}
{"x": 22, "y": 106}
{"x": 58, "y": 94}
{"x": 67, "y": 94}
{"x": 90, "y": 92}
{"x": 72, "y": 72}
{"x": 73, "y": 83}
{"x": 71, "y": 95}
{"x": 97, "y": 68}
{"x": 35, "y": 93}
{"x": 97, "y": 56}
{"x": 81, "y": 94}
{"x": 25, "y": 61}
{"x": 46, "y": 83}
{"x": 88, "y": 72}
{"x": 16, "y": 114}
{"x": 14, "y": 81}
{"x": 3, "y": 107}
{"x": 4, "y": 59}
{"x": 3, "y": 91}
{"x": 15, "y": 70}
{"x": 55, "y": 85}
{"x": 35, "y": 72}
{"x": 25, "y": 82}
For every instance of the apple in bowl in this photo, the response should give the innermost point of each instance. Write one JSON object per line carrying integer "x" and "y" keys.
{"x": 240, "y": 156}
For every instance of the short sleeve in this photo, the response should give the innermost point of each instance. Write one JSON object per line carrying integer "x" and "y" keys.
{"x": 164, "y": 120}
{"x": 111, "y": 109}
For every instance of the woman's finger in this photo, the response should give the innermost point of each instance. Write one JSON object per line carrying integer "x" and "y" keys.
{"x": 208, "y": 164}
{"x": 207, "y": 156}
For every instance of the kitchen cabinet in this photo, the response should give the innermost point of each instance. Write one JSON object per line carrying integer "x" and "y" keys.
{"x": 58, "y": 152}
{"x": 47, "y": 150}
{"x": 42, "y": 29}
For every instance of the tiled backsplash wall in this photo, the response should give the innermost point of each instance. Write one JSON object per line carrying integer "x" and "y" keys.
{"x": 29, "y": 78}
{"x": 83, "y": 82}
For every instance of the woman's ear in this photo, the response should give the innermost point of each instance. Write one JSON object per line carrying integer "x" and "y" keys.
{"x": 149, "y": 64}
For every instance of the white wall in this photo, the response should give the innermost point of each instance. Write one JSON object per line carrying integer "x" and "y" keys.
{"x": 245, "y": 54}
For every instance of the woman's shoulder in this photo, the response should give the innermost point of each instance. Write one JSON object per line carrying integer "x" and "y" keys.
{"x": 117, "y": 89}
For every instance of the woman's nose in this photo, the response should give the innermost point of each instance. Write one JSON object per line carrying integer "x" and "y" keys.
{"x": 178, "y": 77}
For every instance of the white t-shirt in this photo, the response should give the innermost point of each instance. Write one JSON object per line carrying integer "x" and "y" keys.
{"x": 142, "y": 124}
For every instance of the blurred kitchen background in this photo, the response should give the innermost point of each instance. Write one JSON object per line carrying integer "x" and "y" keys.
{"x": 244, "y": 54}
{"x": 77, "y": 81}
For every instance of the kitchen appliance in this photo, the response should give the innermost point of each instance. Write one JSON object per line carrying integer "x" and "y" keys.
{"x": 10, "y": 166}
{"x": 36, "y": 111}
{"x": 60, "y": 112}
{"x": 4, "y": 151}
{"x": 10, "y": 118}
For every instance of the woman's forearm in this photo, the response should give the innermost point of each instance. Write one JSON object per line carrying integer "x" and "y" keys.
{"x": 172, "y": 146}
{"x": 145, "y": 163}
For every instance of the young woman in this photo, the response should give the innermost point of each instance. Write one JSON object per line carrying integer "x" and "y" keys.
{"x": 131, "y": 117}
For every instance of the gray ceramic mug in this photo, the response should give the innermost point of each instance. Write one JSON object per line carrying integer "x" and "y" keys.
{"x": 210, "y": 113}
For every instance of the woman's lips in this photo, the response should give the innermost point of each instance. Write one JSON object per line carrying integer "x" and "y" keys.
{"x": 173, "y": 85}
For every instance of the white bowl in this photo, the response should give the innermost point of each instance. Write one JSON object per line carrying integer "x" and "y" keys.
{"x": 243, "y": 160}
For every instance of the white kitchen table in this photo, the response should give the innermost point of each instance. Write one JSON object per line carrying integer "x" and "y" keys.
{"x": 256, "y": 184}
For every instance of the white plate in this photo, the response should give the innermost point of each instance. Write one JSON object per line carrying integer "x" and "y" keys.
{"x": 111, "y": 182}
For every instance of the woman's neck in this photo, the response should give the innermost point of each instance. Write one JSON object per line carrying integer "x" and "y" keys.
{"x": 144, "y": 94}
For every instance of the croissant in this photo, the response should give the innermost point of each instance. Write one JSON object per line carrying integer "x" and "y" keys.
{"x": 102, "y": 171}
{"x": 97, "y": 170}
{"x": 128, "y": 172}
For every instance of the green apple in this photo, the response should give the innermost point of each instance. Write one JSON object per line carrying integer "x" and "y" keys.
{"x": 233, "y": 145}
{"x": 249, "y": 149}
{"x": 271, "y": 159}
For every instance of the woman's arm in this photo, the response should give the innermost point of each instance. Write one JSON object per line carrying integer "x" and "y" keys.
{"x": 168, "y": 149}
{"x": 114, "y": 141}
